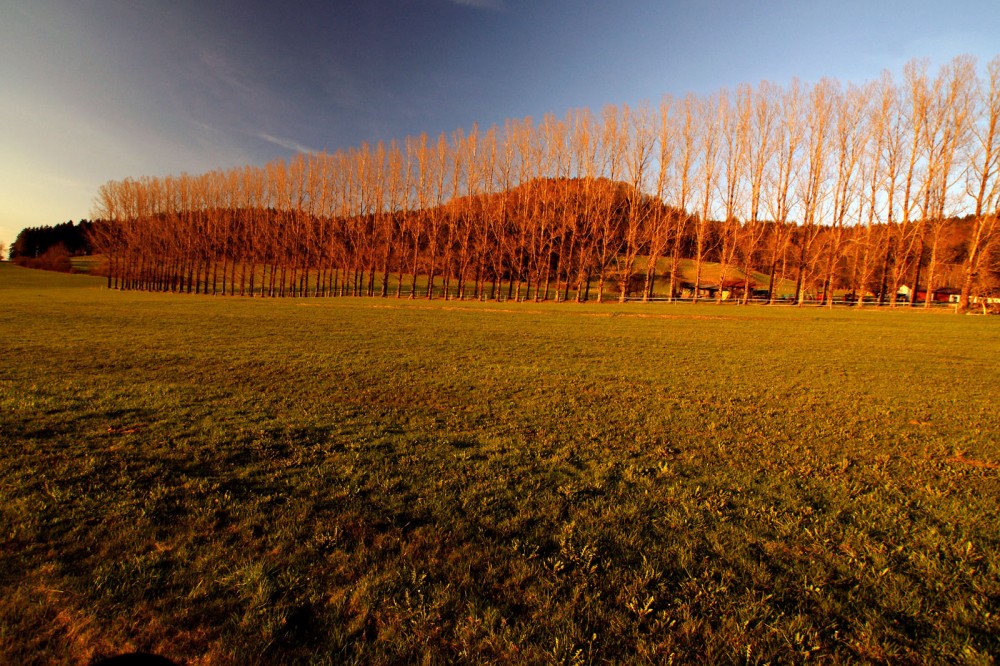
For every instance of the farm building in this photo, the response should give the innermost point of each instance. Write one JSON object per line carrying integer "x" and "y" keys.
{"x": 733, "y": 288}
{"x": 940, "y": 295}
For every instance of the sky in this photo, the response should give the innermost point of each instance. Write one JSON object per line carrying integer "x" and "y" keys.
{"x": 100, "y": 90}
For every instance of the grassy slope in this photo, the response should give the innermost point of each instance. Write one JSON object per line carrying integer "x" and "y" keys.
{"x": 711, "y": 272}
{"x": 244, "y": 480}
{"x": 88, "y": 263}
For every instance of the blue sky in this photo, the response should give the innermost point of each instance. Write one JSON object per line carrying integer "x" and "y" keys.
{"x": 98, "y": 90}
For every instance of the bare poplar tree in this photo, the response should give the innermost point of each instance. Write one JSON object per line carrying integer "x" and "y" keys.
{"x": 395, "y": 193}
{"x": 560, "y": 239}
{"x": 660, "y": 223}
{"x": 711, "y": 113}
{"x": 814, "y": 177}
{"x": 850, "y": 135}
{"x": 948, "y": 132}
{"x": 585, "y": 147}
{"x": 908, "y": 241}
{"x": 686, "y": 128}
{"x": 735, "y": 118}
{"x": 785, "y": 172}
{"x": 423, "y": 183}
{"x": 879, "y": 171}
{"x": 637, "y": 134}
{"x": 487, "y": 247}
{"x": 760, "y": 147}
{"x": 983, "y": 184}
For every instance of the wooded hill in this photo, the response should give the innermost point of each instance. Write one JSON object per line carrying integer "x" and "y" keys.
{"x": 342, "y": 257}
{"x": 858, "y": 188}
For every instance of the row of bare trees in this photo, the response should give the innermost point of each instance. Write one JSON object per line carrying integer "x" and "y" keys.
{"x": 835, "y": 188}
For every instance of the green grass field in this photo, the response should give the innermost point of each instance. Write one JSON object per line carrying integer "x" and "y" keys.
{"x": 351, "y": 480}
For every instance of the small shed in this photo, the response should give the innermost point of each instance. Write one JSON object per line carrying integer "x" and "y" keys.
{"x": 940, "y": 295}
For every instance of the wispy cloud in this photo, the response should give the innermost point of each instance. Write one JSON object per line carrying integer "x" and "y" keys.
{"x": 290, "y": 144}
{"x": 223, "y": 70}
{"x": 480, "y": 4}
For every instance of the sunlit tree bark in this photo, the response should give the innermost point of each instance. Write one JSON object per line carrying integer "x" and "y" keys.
{"x": 814, "y": 178}
{"x": 660, "y": 222}
{"x": 711, "y": 113}
{"x": 785, "y": 172}
{"x": 983, "y": 184}
{"x": 850, "y": 135}
{"x": 735, "y": 119}
{"x": 585, "y": 147}
{"x": 879, "y": 173}
{"x": 686, "y": 128}
{"x": 947, "y": 138}
{"x": 760, "y": 146}
{"x": 637, "y": 135}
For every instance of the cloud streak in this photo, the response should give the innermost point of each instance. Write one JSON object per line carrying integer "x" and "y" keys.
{"x": 479, "y": 4}
{"x": 290, "y": 144}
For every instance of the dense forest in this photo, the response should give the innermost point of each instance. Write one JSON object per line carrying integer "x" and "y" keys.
{"x": 838, "y": 189}
{"x": 51, "y": 247}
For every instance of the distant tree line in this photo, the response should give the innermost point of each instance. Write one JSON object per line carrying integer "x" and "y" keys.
{"x": 51, "y": 247}
{"x": 838, "y": 188}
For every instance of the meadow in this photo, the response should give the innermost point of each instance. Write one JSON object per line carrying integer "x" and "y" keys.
{"x": 365, "y": 480}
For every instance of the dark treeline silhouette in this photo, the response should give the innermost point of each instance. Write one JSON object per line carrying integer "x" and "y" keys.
{"x": 33, "y": 242}
{"x": 50, "y": 248}
{"x": 857, "y": 190}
